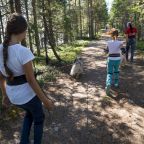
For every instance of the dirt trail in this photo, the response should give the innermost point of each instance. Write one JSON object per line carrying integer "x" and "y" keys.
{"x": 87, "y": 116}
{"x": 84, "y": 114}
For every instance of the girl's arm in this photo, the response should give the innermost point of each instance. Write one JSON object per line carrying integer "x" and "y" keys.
{"x": 5, "y": 100}
{"x": 2, "y": 85}
{"x": 28, "y": 68}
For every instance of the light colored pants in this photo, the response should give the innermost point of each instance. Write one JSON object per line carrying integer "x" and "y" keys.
{"x": 112, "y": 69}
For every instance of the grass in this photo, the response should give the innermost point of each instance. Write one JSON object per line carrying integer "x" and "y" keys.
{"x": 140, "y": 45}
{"x": 49, "y": 74}
{"x": 140, "y": 48}
{"x": 67, "y": 52}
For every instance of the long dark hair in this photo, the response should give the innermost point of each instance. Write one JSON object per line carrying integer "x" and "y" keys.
{"x": 16, "y": 24}
{"x": 131, "y": 27}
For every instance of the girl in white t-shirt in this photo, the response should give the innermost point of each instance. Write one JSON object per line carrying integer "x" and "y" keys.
{"x": 113, "y": 61}
{"x": 17, "y": 80}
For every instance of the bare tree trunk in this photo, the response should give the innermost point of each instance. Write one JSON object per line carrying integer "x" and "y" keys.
{"x": 50, "y": 31}
{"x": 29, "y": 33}
{"x": 76, "y": 21}
{"x": 11, "y": 4}
{"x": 2, "y": 27}
{"x": 95, "y": 31}
{"x": 66, "y": 37}
{"x": 18, "y": 6}
{"x": 91, "y": 29}
{"x": 18, "y": 10}
{"x": 75, "y": 2}
{"x": 45, "y": 32}
{"x": 80, "y": 19}
{"x": 36, "y": 27}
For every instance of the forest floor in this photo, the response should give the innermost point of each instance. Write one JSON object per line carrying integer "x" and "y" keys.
{"x": 83, "y": 113}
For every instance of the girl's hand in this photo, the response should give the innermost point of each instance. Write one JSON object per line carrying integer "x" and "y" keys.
{"x": 49, "y": 105}
{"x": 5, "y": 102}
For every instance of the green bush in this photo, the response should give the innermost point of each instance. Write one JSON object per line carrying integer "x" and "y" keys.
{"x": 68, "y": 52}
{"x": 140, "y": 45}
{"x": 49, "y": 74}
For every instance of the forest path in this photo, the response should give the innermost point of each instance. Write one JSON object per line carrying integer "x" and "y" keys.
{"x": 83, "y": 113}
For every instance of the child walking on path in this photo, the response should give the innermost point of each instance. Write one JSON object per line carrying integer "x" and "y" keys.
{"x": 17, "y": 80}
{"x": 113, "y": 61}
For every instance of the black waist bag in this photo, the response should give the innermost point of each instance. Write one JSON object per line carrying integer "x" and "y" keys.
{"x": 18, "y": 80}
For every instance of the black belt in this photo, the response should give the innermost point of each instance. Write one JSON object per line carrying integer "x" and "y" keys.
{"x": 114, "y": 55}
{"x": 18, "y": 80}
{"x": 131, "y": 37}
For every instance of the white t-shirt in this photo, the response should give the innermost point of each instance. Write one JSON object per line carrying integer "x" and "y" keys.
{"x": 18, "y": 55}
{"x": 114, "y": 48}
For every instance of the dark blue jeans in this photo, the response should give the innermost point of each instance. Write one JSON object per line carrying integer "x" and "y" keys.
{"x": 34, "y": 113}
{"x": 131, "y": 44}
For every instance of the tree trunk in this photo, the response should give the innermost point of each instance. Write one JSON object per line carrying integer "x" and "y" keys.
{"x": 2, "y": 27}
{"x": 91, "y": 29}
{"x": 76, "y": 26}
{"x": 11, "y": 4}
{"x": 18, "y": 10}
{"x": 50, "y": 31}
{"x": 66, "y": 37}
{"x": 80, "y": 19}
{"x": 95, "y": 30}
{"x": 36, "y": 27}
{"x": 29, "y": 33}
{"x": 18, "y": 6}
{"x": 45, "y": 33}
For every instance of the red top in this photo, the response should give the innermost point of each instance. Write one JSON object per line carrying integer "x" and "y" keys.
{"x": 131, "y": 34}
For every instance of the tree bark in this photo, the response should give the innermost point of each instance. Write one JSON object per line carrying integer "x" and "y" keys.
{"x": 80, "y": 19}
{"x": 50, "y": 31}
{"x": 18, "y": 10}
{"x": 91, "y": 29}
{"x": 11, "y": 4}
{"x": 45, "y": 33}
{"x": 29, "y": 33}
{"x": 36, "y": 27}
{"x": 66, "y": 36}
{"x": 2, "y": 27}
{"x": 18, "y": 6}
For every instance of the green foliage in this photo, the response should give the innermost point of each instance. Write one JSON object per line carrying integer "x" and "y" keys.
{"x": 140, "y": 45}
{"x": 68, "y": 52}
{"x": 101, "y": 11}
{"x": 127, "y": 10}
{"x": 49, "y": 74}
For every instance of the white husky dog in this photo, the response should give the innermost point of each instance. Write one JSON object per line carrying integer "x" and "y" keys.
{"x": 123, "y": 56}
{"x": 77, "y": 67}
